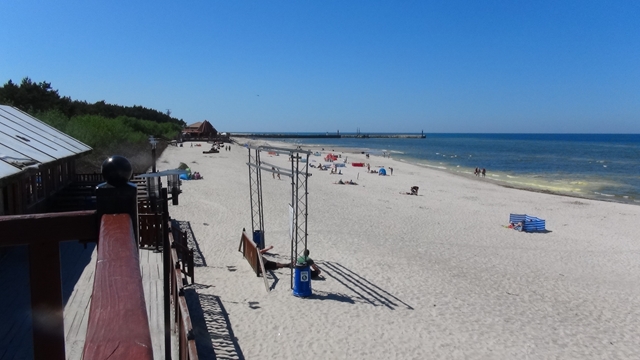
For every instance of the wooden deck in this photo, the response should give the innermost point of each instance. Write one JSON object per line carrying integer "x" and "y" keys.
{"x": 78, "y": 265}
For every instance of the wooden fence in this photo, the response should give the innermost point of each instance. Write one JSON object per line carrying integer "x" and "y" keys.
{"x": 186, "y": 341}
{"x": 43, "y": 233}
{"x": 118, "y": 325}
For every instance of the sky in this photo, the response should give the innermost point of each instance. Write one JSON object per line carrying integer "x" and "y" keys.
{"x": 323, "y": 66}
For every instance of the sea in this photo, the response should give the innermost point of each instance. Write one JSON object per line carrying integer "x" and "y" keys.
{"x": 595, "y": 166}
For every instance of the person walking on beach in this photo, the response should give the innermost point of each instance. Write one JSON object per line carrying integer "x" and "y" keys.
{"x": 273, "y": 174}
{"x": 484, "y": 172}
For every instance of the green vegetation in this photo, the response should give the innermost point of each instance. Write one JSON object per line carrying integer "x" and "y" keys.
{"x": 100, "y": 132}
{"x": 108, "y": 129}
{"x": 41, "y": 97}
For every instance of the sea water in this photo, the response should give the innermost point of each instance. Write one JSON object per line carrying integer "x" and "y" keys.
{"x": 596, "y": 166}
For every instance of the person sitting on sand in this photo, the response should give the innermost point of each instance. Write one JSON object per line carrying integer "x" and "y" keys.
{"x": 305, "y": 259}
{"x": 517, "y": 226}
{"x": 272, "y": 265}
{"x": 414, "y": 191}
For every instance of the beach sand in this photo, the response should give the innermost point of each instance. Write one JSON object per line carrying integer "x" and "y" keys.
{"x": 434, "y": 276}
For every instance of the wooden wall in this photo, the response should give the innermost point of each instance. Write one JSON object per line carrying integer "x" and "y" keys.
{"x": 28, "y": 194}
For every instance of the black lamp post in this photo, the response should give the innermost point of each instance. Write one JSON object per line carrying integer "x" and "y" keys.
{"x": 153, "y": 143}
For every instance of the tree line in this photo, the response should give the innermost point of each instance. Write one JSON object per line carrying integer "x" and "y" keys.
{"x": 108, "y": 129}
{"x": 33, "y": 97}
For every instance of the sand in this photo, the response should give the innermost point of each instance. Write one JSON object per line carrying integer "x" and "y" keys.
{"x": 434, "y": 276}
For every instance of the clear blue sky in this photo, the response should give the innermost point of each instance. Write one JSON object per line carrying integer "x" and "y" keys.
{"x": 317, "y": 65}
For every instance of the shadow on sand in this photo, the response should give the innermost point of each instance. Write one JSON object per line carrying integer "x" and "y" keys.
{"x": 212, "y": 328}
{"x": 211, "y": 325}
{"x": 365, "y": 291}
{"x": 185, "y": 226}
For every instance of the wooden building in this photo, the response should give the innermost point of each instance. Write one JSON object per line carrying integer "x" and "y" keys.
{"x": 200, "y": 130}
{"x": 36, "y": 161}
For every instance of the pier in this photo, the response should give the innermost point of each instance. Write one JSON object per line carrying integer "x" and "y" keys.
{"x": 328, "y": 136}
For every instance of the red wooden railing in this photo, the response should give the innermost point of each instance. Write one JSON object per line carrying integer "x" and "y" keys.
{"x": 118, "y": 323}
{"x": 42, "y": 233}
{"x": 118, "y": 327}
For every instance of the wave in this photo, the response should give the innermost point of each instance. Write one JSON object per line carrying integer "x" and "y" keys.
{"x": 432, "y": 166}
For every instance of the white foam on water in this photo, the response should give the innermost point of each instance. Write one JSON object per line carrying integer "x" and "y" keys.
{"x": 603, "y": 194}
{"x": 433, "y": 166}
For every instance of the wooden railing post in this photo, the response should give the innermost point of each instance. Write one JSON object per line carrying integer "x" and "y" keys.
{"x": 118, "y": 195}
{"x": 46, "y": 301}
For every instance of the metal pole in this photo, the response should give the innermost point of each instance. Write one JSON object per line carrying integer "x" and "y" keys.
{"x": 153, "y": 156}
{"x": 306, "y": 199}
{"x": 166, "y": 262}
{"x": 294, "y": 241}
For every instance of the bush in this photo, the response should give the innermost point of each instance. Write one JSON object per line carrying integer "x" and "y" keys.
{"x": 123, "y": 135}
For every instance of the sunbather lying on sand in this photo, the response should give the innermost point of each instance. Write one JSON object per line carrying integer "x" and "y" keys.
{"x": 350, "y": 182}
{"x": 272, "y": 265}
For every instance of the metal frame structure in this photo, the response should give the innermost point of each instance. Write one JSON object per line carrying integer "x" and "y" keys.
{"x": 299, "y": 174}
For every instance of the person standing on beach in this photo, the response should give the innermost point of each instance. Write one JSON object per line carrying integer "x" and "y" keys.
{"x": 484, "y": 172}
{"x": 274, "y": 172}
{"x": 390, "y": 170}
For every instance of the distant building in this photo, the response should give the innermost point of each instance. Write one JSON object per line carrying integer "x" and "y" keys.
{"x": 202, "y": 129}
{"x": 36, "y": 161}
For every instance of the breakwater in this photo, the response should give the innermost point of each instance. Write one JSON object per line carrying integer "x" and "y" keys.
{"x": 328, "y": 136}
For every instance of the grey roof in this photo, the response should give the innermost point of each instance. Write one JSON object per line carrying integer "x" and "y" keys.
{"x": 28, "y": 142}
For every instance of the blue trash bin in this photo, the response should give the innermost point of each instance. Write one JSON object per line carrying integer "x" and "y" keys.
{"x": 258, "y": 238}
{"x": 302, "y": 280}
